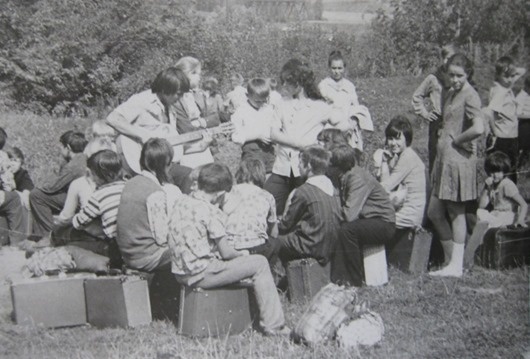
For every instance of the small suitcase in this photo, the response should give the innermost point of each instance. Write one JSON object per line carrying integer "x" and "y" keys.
{"x": 305, "y": 277}
{"x": 164, "y": 293}
{"x": 57, "y": 301}
{"x": 121, "y": 301}
{"x": 213, "y": 312}
{"x": 504, "y": 248}
{"x": 410, "y": 252}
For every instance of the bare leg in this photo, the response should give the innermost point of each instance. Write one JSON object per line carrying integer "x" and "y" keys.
{"x": 457, "y": 214}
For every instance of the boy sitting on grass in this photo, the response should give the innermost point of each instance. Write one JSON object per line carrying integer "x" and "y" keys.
{"x": 202, "y": 256}
{"x": 50, "y": 198}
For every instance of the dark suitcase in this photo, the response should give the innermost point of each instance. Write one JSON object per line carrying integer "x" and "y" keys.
{"x": 164, "y": 294}
{"x": 213, "y": 312}
{"x": 504, "y": 248}
{"x": 410, "y": 251}
{"x": 121, "y": 301}
{"x": 305, "y": 277}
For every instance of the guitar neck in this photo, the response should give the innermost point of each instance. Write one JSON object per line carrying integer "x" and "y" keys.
{"x": 175, "y": 140}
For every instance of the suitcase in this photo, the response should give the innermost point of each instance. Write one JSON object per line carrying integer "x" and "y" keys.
{"x": 164, "y": 293}
{"x": 57, "y": 301}
{"x": 305, "y": 277}
{"x": 504, "y": 248}
{"x": 410, "y": 251}
{"x": 213, "y": 312}
{"x": 121, "y": 301}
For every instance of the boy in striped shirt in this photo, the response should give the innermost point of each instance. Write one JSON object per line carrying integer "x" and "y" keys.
{"x": 104, "y": 169}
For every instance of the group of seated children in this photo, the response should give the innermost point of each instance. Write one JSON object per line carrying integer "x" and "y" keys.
{"x": 301, "y": 191}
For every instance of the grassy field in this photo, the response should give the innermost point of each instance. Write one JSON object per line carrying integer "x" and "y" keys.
{"x": 483, "y": 315}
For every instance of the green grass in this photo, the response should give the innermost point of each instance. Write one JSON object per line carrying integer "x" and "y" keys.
{"x": 482, "y": 315}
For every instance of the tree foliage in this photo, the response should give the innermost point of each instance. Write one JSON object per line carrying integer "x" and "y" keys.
{"x": 409, "y": 36}
{"x": 62, "y": 56}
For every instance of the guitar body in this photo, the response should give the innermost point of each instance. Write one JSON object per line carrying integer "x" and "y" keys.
{"x": 132, "y": 149}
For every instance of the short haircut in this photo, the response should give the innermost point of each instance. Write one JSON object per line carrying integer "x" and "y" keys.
{"x": 504, "y": 67}
{"x": 334, "y": 56}
{"x": 97, "y": 144}
{"x": 75, "y": 140}
{"x": 15, "y": 152}
{"x": 251, "y": 170}
{"x": 156, "y": 156}
{"x": 237, "y": 77}
{"x": 497, "y": 161}
{"x": 211, "y": 84}
{"x": 106, "y": 165}
{"x": 316, "y": 156}
{"x": 215, "y": 177}
{"x": 258, "y": 87}
{"x": 187, "y": 64}
{"x": 332, "y": 137}
{"x": 343, "y": 157}
{"x": 3, "y": 137}
{"x": 397, "y": 126}
{"x": 170, "y": 81}
{"x": 462, "y": 61}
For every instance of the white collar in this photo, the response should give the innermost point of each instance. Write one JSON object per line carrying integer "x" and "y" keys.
{"x": 323, "y": 183}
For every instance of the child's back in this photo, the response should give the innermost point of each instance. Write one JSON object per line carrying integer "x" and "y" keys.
{"x": 250, "y": 211}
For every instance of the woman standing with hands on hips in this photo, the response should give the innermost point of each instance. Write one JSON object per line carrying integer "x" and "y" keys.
{"x": 454, "y": 174}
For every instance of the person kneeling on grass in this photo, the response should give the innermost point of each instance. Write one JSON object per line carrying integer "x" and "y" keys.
{"x": 200, "y": 253}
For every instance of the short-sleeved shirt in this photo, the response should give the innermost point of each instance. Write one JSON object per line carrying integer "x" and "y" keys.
{"x": 302, "y": 119}
{"x": 502, "y": 103}
{"x": 250, "y": 209}
{"x": 502, "y": 196}
{"x": 144, "y": 109}
{"x": 194, "y": 226}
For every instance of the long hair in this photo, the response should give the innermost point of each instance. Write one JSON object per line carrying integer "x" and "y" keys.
{"x": 156, "y": 158}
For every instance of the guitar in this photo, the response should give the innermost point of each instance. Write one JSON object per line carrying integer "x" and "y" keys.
{"x": 132, "y": 149}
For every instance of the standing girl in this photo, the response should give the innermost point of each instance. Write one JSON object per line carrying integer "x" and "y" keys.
{"x": 300, "y": 121}
{"x": 454, "y": 175}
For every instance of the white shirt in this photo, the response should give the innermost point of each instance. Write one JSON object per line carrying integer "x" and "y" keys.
{"x": 301, "y": 119}
{"x": 250, "y": 122}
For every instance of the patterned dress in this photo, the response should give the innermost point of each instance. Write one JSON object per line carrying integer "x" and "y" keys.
{"x": 454, "y": 176}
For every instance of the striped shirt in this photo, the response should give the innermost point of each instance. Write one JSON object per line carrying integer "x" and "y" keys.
{"x": 103, "y": 204}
